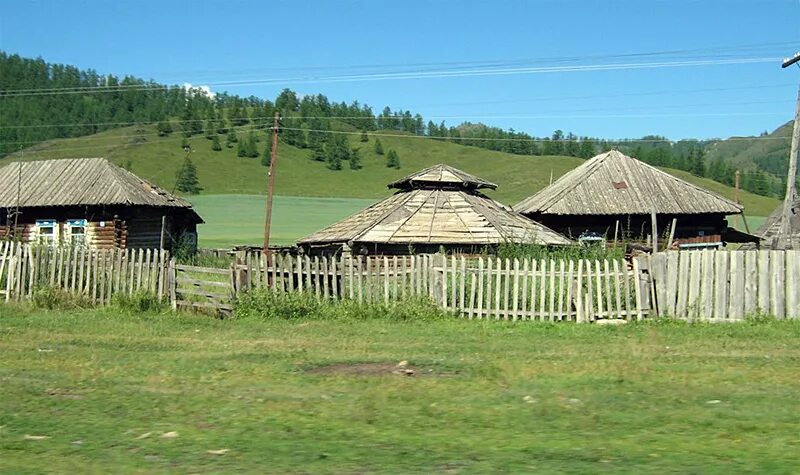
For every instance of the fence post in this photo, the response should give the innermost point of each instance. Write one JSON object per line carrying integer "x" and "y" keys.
{"x": 172, "y": 281}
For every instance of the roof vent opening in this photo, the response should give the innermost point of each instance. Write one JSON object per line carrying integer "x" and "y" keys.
{"x": 620, "y": 185}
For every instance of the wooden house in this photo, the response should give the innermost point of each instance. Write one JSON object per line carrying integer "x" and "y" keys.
{"x": 437, "y": 207}
{"x": 90, "y": 202}
{"x": 614, "y": 193}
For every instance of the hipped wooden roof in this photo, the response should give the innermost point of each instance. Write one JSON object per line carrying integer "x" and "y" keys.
{"x": 613, "y": 183}
{"x": 439, "y": 176}
{"x": 79, "y": 181}
{"x": 437, "y": 215}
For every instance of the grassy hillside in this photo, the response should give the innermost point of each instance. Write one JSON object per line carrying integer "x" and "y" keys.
{"x": 748, "y": 152}
{"x": 159, "y": 158}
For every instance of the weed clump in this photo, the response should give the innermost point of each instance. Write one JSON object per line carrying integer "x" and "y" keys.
{"x": 138, "y": 302}
{"x": 267, "y": 304}
{"x": 52, "y": 298}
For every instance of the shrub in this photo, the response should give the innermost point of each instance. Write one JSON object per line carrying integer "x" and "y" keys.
{"x": 52, "y": 298}
{"x": 139, "y": 302}
{"x": 266, "y": 304}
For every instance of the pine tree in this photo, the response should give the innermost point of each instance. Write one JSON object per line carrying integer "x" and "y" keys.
{"x": 185, "y": 143}
{"x": 231, "y": 139}
{"x": 209, "y": 131}
{"x": 378, "y": 147}
{"x": 187, "y": 181}
{"x": 392, "y": 159}
{"x": 318, "y": 153}
{"x": 364, "y": 136}
{"x": 355, "y": 159}
{"x": 215, "y": 145}
{"x": 251, "y": 146}
{"x": 241, "y": 148}
{"x": 164, "y": 128}
{"x": 334, "y": 162}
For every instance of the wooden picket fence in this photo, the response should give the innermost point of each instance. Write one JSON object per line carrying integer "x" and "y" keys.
{"x": 479, "y": 287}
{"x": 95, "y": 275}
{"x": 706, "y": 285}
{"x": 726, "y": 285}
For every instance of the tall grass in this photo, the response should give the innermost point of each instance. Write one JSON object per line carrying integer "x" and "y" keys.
{"x": 535, "y": 251}
{"x": 270, "y": 305}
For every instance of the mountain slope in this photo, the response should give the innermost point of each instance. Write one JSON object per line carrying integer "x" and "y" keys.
{"x": 159, "y": 159}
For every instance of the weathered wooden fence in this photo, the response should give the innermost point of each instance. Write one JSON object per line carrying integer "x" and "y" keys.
{"x": 479, "y": 287}
{"x": 95, "y": 275}
{"x": 706, "y": 285}
{"x": 726, "y": 285}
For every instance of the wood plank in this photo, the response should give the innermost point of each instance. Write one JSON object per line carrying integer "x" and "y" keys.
{"x": 707, "y": 281}
{"x": 489, "y": 286}
{"x": 793, "y": 284}
{"x": 534, "y": 289}
{"x": 202, "y": 293}
{"x": 778, "y": 287}
{"x": 764, "y": 283}
{"x": 737, "y": 286}
{"x": 463, "y": 287}
{"x": 386, "y": 283}
{"x": 453, "y": 282}
{"x": 684, "y": 273}
{"x": 506, "y": 278}
{"x": 617, "y": 288}
{"x": 515, "y": 291}
{"x": 750, "y": 283}
{"x": 598, "y": 280}
{"x": 560, "y": 290}
{"x": 473, "y": 282}
{"x": 721, "y": 262}
{"x": 693, "y": 302}
{"x": 524, "y": 304}
{"x": 498, "y": 284}
{"x": 579, "y": 315}
{"x": 543, "y": 290}
{"x": 607, "y": 289}
{"x": 480, "y": 286}
{"x": 359, "y": 278}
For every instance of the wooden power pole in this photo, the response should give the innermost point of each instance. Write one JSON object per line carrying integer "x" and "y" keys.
{"x": 791, "y": 187}
{"x": 271, "y": 182}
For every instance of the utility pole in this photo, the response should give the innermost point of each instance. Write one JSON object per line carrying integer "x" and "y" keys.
{"x": 271, "y": 182}
{"x": 786, "y": 228}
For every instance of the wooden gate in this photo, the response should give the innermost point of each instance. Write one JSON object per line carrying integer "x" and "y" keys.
{"x": 204, "y": 288}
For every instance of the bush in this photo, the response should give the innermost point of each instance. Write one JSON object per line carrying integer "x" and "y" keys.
{"x": 266, "y": 304}
{"x": 52, "y": 298}
{"x": 141, "y": 301}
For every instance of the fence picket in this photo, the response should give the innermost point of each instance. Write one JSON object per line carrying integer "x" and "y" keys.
{"x": 617, "y": 289}
{"x": 736, "y": 296}
{"x": 777, "y": 294}
{"x": 507, "y": 283}
{"x": 480, "y": 287}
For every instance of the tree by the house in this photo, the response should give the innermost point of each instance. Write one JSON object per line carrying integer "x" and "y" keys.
{"x": 355, "y": 159}
{"x": 187, "y": 181}
{"x": 215, "y": 144}
{"x": 392, "y": 159}
{"x": 364, "y": 136}
{"x": 378, "y": 147}
{"x": 164, "y": 128}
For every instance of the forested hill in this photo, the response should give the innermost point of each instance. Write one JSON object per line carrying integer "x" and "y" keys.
{"x": 42, "y": 101}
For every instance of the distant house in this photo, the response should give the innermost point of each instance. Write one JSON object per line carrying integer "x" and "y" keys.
{"x": 90, "y": 202}
{"x": 437, "y": 207}
{"x": 613, "y": 189}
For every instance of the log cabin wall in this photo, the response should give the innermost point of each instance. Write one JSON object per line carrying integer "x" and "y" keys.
{"x": 106, "y": 227}
{"x": 635, "y": 227}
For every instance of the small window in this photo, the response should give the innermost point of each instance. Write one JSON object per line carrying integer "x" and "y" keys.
{"x": 46, "y": 231}
{"x": 76, "y": 232}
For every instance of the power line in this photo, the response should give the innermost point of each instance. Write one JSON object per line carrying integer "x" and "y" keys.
{"x": 441, "y": 73}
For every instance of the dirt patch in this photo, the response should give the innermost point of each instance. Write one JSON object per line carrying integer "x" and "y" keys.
{"x": 374, "y": 369}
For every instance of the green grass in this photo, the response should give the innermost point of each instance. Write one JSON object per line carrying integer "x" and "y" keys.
{"x": 159, "y": 158}
{"x": 239, "y": 219}
{"x": 486, "y": 397}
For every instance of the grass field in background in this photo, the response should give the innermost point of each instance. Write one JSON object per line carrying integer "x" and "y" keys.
{"x": 239, "y": 219}
{"x": 159, "y": 158}
{"x": 99, "y": 392}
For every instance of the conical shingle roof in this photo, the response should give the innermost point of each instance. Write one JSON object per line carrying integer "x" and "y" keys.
{"x": 438, "y": 215}
{"x": 613, "y": 183}
{"x": 441, "y": 175}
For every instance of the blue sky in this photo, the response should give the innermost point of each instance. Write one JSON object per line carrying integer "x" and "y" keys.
{"x": 309, "y": 45}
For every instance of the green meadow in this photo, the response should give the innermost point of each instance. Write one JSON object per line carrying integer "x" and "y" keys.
{"x": 100, "y": 391}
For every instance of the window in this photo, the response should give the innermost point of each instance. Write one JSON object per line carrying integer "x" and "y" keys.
{"x": 46, "y": 231}
{"x": 76, "y": 232}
